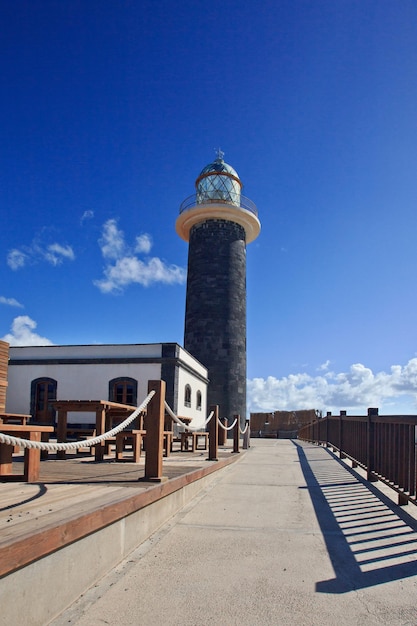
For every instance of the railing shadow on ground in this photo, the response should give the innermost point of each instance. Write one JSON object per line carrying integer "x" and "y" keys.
{"x": 42, "y": 490}
{"x": 370, "y": 540}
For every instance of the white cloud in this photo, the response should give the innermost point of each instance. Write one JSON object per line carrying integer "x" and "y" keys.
{"x": 87, "y": 215}
{"x": 16, "y": 259}
{"x": 54, "y": 254}
{"x": 10, "y": 302}
{"x": 143, "y": 244}
{"x": 324, "y": 366}
{"x": 132, "y": 270}
{"x": 22, "y": 333}
{"x": 127, "y": 268}
{"x": 112, "y": 242}
{"x": 354, "y": 390}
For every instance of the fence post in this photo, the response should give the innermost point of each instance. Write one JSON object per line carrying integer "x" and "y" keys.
{"x": 328, "y": 414}
{"x": 213, "y": 428}
{"x": 236, "y": 434}
{"x": 246, "y": 436}
{"x": 155, "y": 432}
{"x": 370, "y": 449}
{"x": 341, "y": 453}
{"x": 222, "y": 433}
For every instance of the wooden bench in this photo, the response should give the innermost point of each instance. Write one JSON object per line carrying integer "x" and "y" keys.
{"x": 80, "y": 433}
{"x": 14, "y": 418}
{"x": 136, "y": 438}
{"x": 194, "y": 436}
{"x": 31, "y": 455}
{"x": 168, "y": 437}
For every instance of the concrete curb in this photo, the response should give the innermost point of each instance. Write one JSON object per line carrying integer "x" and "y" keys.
{"x": 79, "y": 551}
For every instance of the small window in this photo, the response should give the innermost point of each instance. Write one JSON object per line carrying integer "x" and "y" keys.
{"x": 123, "y": 391}
{"x": 187, "y": 396}
{"x": 198, "y": 400}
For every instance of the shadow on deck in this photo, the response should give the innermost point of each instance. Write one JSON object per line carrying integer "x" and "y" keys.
{"x": 370, "y": 539}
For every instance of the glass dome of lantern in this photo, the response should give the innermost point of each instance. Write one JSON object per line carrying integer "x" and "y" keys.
{"x": 218, "y": 182}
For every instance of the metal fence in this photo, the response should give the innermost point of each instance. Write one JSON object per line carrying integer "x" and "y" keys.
{"x": 385, "y": 446}
{"x": 233, "y": 199}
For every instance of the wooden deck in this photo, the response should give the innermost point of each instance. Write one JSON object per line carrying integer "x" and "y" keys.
{"x": 78, "y": 495}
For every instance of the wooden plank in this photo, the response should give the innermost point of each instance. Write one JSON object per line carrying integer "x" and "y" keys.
{"x": 31, "y": 455}
{"x": 155, "y": 431}
{"x": 32, "y": 460}
{"x": 79, "y": 522}
{"x": 4, "y": 365}
{"x": 5, "y": 460}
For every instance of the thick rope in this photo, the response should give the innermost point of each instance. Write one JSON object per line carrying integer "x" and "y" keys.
{"x": 187, "y": 426}
{"x": 74, "y": 445}
{"x": 227, "y": 427}
{"x": 242, "y": 432}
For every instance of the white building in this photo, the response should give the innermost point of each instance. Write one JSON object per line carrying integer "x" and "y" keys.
{"x": 119, "y": 373}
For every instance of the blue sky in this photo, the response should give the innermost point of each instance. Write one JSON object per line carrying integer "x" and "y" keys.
{"x": 110, "y": 109}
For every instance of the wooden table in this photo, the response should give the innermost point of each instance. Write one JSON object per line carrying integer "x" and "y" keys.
{"x": 107, "y": 414}
{"x": 32, "y": 455}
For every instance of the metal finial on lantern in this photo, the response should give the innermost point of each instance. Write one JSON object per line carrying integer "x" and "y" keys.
{"x": 220, "y": 154}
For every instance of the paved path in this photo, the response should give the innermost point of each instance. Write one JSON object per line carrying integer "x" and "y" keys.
{"x": 286, "y": 536}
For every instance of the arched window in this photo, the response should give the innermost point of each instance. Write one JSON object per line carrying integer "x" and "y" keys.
{"x": 187, "y": 395}
{"x": 123, "y": 390}
{"x": 198, "y": 400}
{"x": 42, "y": 393}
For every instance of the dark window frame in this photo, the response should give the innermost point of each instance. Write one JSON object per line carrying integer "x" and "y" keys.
{"x": 125, "y": 381}
{"x": 187, "y": 396}
{"x": 34, "y": 399}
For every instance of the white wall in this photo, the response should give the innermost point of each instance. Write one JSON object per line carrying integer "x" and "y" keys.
{"x": 196, "y": 384}
{"x": 185, "y": 377}
{"x": 90, "y": 381}
{"x": 76, "y": 382}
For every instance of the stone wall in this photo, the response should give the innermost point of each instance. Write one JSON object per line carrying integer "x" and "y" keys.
{"x": 215, "y": 318}
{"x": 280, "y": 423}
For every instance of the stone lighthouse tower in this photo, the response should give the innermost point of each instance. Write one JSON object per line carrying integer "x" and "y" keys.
{"x": 218, "y": 222}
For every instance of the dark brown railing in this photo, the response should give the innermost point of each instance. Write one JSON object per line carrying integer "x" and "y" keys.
{"x": 384, "y": 446}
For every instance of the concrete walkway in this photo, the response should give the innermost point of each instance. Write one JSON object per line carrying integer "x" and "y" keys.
{"x": 287, "y": 536}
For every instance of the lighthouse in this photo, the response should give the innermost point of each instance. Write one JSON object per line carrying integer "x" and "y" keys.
{"x": 217, "y": 222}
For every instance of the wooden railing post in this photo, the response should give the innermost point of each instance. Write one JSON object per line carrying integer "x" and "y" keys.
{"x": 213, "y": 429}
{"x": 62, "y": 431}
{"x": 100, "y": 428}
{"x": 341, "y": 452}
{"x": 246, "y": 436}
{"x": 328, "y": 414}
{"x": 222, "y": 433}
{"x": 155, "y": 432}
{"x": 370, "y": 452}
{"x": 236, "y": 434}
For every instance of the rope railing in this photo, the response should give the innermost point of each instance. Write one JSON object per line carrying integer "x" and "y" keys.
{"x": 74, "y": 445}
{"x": 243, "y": 432}
{"x": 178, "y": 421}
{"x": 227, "y": 427}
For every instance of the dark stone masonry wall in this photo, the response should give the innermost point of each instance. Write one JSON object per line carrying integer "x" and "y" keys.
{"x": 215, "y": 318}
